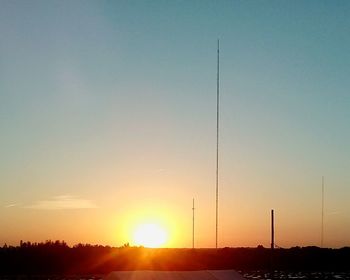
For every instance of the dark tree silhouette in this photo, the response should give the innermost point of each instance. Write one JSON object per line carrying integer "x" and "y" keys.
{"x": 56, "y": 257}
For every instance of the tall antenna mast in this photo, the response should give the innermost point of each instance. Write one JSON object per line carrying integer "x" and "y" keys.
{"x": 322, "y": 218}
{"x": 193, "y": 223}
{"x": 217, "y": 148}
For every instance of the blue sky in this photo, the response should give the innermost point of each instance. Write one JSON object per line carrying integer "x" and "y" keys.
{"x": 112, "y": 104}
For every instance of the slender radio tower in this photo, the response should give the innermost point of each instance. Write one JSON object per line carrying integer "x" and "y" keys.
{"x": 217, "y": 148}
{"x": 193, "y": 223}
{"x": 322, "y": 213}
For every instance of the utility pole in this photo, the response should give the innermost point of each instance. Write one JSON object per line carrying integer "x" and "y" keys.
{"x": 272, "y": 262}
{"x": 272, "y": 231}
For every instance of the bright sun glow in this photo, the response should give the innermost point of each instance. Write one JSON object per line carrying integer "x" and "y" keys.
{"x": 150, "y": 235}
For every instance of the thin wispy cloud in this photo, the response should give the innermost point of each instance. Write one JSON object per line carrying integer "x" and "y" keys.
{"x": 63, "y": 202}
{"x": 11, "y": 205}
{"x": 334, "y": 213}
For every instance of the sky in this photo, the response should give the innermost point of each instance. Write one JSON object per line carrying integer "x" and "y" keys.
{"x": 108, "y": 121}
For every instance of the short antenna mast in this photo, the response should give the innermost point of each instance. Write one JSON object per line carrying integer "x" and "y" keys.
{"x": 322, "y": 214}
{"x": 193, "y": 223}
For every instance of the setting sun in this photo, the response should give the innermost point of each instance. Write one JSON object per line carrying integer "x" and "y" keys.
{"x": 150, "y": 235}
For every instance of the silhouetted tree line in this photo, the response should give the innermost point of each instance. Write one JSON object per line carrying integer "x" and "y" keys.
{"x": 58, "y": 258}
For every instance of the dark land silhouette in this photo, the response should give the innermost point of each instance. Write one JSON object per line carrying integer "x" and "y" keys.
{"x": 57, "y": 258}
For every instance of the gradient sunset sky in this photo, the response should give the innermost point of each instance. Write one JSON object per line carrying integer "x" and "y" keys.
{"x": 107, "y": 120}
